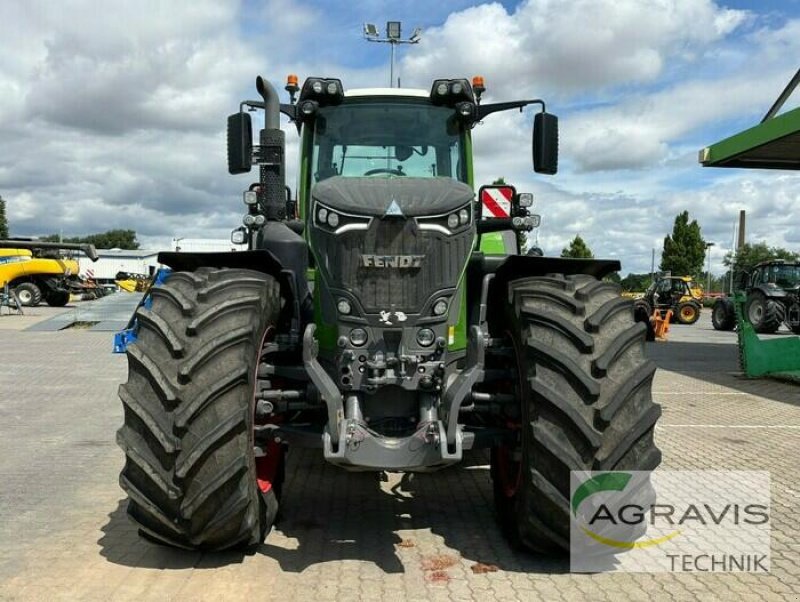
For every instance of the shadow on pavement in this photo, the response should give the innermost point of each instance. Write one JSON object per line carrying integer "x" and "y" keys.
{"x": 121, "y": 544}
{"x": 718, "y": 363}
{"x": 330, "y": 515}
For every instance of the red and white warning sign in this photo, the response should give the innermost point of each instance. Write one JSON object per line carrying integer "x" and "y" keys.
{"x": 496, "y": 201}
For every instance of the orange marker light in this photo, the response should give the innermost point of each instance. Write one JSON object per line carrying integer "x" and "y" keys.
{"x": 291, "y": 79}
{"x": 478, "y": 87}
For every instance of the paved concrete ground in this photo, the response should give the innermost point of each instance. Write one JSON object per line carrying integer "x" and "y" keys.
{"x": 64, "y": 534}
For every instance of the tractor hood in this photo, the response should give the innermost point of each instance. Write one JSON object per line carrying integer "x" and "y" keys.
{"x": 374, "y": 195}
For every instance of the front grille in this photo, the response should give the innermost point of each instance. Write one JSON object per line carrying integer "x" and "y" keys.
{"x": 383, "y": 288}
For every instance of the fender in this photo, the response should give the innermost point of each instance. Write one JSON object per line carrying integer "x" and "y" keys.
{"x": 259, "y": 261}
{"x": 510, "y": 267}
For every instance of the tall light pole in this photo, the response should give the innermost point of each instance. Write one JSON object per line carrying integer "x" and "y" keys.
{"x": 393, "y": 37}
{"x": 708, "y": 271}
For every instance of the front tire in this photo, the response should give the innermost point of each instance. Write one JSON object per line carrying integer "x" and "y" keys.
{"x": 585, "y": 390}
{"x": 687, "y": 313}
{"x": 190, "y": 473}
{"x": 28, "y": 294}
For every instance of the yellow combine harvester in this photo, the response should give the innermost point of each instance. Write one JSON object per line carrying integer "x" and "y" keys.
{"x": 34, "y": 276}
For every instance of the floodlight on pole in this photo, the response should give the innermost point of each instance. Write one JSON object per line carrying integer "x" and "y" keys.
{"x": 393, "y": 36}
{"x": 393, "y": 30}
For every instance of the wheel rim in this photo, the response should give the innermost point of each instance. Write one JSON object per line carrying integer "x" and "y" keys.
{"x": 267, "y": 466}
{"x": 688, "y": 313}
{"x": 719, "y": 314}
{"x": 756, "y": 312}
{"x": 25, "y": 297}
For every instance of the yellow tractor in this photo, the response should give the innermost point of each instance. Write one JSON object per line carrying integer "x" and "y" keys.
{"x": 681, "y": 295}
{"x": 34, "y": 272}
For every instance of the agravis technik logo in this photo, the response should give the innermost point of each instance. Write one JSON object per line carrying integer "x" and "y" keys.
{"x": 704, "y": 521}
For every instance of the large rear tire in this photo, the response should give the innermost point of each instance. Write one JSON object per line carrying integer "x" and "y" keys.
{"x": 585, "y": 390}
{"x": 28, "y": 294}
{"x": 191, "y": 473}
{"x": 57, "y": 298}
{"x": 763, "y": 313}
{"x": 723, "y": 316}
{"x": 642, "y": 312}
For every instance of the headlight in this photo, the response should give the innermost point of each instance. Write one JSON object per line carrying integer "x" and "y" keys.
{"x": 308, "y": 107}
{"x": 425, "y": 337}
{"x": 343, "y": 306}
{"x": 441, "y": 89}
{"x": 322, "y": 215}
{"x": 238, "y": 237}
{"x": 332, "y": 88}
{"x": 260, "y": 220}
{"x": 317, "y": 87}
{"x": 465, "y": 109}
{"x": 452, "y": 220}
{"x": 250, "y": 197}
{"x": 463, "y": 216}
{"x": 358, "y": 336}
{"x": 333, "y": 219}
{"x": 249, "y": 220}
{"x": 440, "y": 307}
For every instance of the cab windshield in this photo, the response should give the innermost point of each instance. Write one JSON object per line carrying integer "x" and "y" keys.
{"x": 387, "y": 138}
{"x": 785, "y": 276}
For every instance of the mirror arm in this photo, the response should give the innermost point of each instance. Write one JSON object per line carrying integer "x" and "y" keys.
{"x": 484, "y": 110}
{"x": 287, "y": 109}
{"x": 255, "y": 104}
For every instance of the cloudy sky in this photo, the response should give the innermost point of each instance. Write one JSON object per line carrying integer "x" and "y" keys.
{"x": 112, "y": 113}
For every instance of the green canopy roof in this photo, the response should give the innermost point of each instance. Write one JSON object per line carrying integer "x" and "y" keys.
{"x": 772, "y": 144}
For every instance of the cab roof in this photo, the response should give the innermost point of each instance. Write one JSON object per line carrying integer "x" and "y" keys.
{"x": 414, "y": 92}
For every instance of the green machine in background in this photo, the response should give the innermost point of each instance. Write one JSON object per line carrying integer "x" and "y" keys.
{"x": 772, "y": 144}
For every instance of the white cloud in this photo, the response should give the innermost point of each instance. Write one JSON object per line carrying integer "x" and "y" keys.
{"x": 567, "y": 47}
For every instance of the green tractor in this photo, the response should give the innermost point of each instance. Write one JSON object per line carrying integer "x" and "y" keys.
{"x": 381, "y": 318}
{"x": 772, "y": 290}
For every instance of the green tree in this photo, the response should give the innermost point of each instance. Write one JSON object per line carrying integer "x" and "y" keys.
{"x": 751, "y": 254}
{"x": 635, "y": 282}
{"x": 577, "y": 249}
{"x": 685, "y": 250}
{"x": 3, "y": 220}
{"x": 113, "y": 239}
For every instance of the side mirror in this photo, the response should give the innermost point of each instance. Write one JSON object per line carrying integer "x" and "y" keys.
{"x": 240, "y": 143}
{"x": 545, "y": 143}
